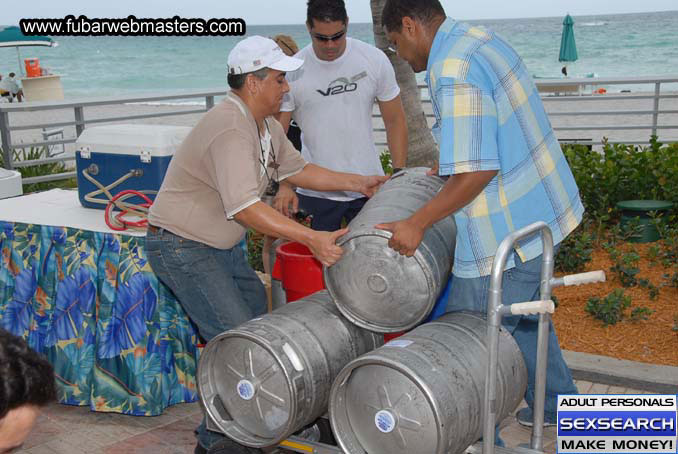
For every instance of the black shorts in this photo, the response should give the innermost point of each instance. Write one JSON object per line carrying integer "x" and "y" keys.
{"x": 328, "y": 214}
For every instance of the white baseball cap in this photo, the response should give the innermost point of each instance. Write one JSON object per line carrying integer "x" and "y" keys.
{"x": 256, "y": 52}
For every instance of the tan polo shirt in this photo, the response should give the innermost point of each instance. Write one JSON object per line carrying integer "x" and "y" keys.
{"x": 218, "y": 171}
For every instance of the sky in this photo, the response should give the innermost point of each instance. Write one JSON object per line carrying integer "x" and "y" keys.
{"x": 264, "y": 12}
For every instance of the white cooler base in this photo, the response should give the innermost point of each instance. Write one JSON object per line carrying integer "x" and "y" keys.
{"x": 10, "y": 183}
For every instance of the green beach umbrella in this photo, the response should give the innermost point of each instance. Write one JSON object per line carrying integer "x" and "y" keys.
{"x": 568, "y": 48}
{"x": 12, "y": 37}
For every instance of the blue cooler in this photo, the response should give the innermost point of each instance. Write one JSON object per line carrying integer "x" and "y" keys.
{"x": 138, "y": 155}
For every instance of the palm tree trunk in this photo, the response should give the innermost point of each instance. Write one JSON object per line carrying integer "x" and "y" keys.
{"x": 422, "y": 149}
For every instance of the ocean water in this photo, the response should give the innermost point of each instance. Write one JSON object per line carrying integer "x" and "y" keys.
{"x": 608, "y": 46}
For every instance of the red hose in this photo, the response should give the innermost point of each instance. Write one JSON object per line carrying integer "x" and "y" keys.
{"x": 119, "y": 216}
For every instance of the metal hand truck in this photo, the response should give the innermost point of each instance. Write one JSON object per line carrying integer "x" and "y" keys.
{"x": 544, "y": 307}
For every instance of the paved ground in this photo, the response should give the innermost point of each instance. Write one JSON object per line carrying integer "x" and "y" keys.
{"x": 64, "y": 429}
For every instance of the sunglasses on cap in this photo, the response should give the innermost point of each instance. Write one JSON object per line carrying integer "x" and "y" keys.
{"x": 325, "y": 38}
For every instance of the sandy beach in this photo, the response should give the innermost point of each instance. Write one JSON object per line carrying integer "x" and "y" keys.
{"x": 628, "y": 103}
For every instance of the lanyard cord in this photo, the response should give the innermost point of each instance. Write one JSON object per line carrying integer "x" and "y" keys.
{"x": 262, "y": 159}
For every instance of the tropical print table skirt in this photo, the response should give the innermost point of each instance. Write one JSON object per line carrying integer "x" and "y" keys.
{"x": 89, "y": 301}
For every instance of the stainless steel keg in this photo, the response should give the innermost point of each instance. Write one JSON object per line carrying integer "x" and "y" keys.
{"x": 374, "y": 286}
{"x": 423, "y": 392}
{"x": 271, "y": 376}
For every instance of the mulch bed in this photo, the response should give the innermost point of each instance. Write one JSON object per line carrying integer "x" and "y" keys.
{"x": 652, "y": 341}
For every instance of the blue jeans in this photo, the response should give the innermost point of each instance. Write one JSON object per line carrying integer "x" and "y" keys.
{"x": 328, "y": 214}
{"x": 216, "y": 287}
{"x": 520, "y": 284}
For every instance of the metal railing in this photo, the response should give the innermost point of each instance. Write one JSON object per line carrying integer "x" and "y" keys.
{"x": 559, "y": 95}
{"x": 555, "y": 92}
{"x": 80, "y": 120}
{"x": 656, "y": 95}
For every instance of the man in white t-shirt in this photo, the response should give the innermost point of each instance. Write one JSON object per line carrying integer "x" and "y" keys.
{"x": 331, "y": 99}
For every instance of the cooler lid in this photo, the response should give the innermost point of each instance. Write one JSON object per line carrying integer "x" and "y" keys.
{"x": 130, "y": 139}
{"x": 252, "y": 386}
{"x": 388, "y": 412}
{"x": 377, "y": 288}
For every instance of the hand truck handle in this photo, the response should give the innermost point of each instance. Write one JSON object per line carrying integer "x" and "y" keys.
{"x": 584, "y": 278}
{"x": 533, "y": 307}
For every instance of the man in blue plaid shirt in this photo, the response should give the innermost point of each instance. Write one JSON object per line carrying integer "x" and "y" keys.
{"x": 507, "y": 166}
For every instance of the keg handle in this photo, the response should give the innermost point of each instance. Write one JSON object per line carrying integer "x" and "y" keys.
{"x": 221, "y": 413}
{"x": 401, "y": 173}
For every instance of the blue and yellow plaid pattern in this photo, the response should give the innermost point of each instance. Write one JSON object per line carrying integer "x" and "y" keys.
{"x": 489, "y": 116}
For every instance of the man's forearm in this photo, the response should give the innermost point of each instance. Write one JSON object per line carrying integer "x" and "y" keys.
{"x": 458, "y": 191}
{"x": 322, "y": 179}
{"x": 396, "y": 137}
{"x": 268, "y": 221}
{"x": 265, "y": 219}
{"x": 395, "y": 122}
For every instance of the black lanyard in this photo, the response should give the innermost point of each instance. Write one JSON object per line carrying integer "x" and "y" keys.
{"x": 262, "y": 160}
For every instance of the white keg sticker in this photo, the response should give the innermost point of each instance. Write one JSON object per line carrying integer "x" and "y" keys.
{"x": 385, "y": 421}
{"x": 245, "y": 389}
{"x": 400, "y": 343}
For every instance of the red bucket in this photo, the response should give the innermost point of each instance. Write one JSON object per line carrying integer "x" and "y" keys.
{"x": 301, "y": 274}
{"x": 391, "y": 336}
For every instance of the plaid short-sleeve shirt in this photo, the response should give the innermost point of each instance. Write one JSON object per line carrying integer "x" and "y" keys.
{"x": 489, "y": 116}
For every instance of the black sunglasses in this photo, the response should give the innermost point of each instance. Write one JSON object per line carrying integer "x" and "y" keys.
{"x": 325, "y": 38}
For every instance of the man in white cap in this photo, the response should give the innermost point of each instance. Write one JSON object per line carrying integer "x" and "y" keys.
{"x": 211, "y": 195}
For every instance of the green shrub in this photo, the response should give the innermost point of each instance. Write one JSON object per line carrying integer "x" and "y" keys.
{"x": 32, "y": 153}
{"x": 671, "y": 279}
{"x": 653, "y": 253}
{"x": 386, "y": 162}
{"x": 640, "y": 313}
{"x": 610, "y": 309}
{"x": 255, "y": 242}
{"x": 575, "y": 251}
{"x": 668, "y": 233}
{"x": 653, "y": 290}
{"x": 625, "y": 267}
{"x": 624, "y": 172}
